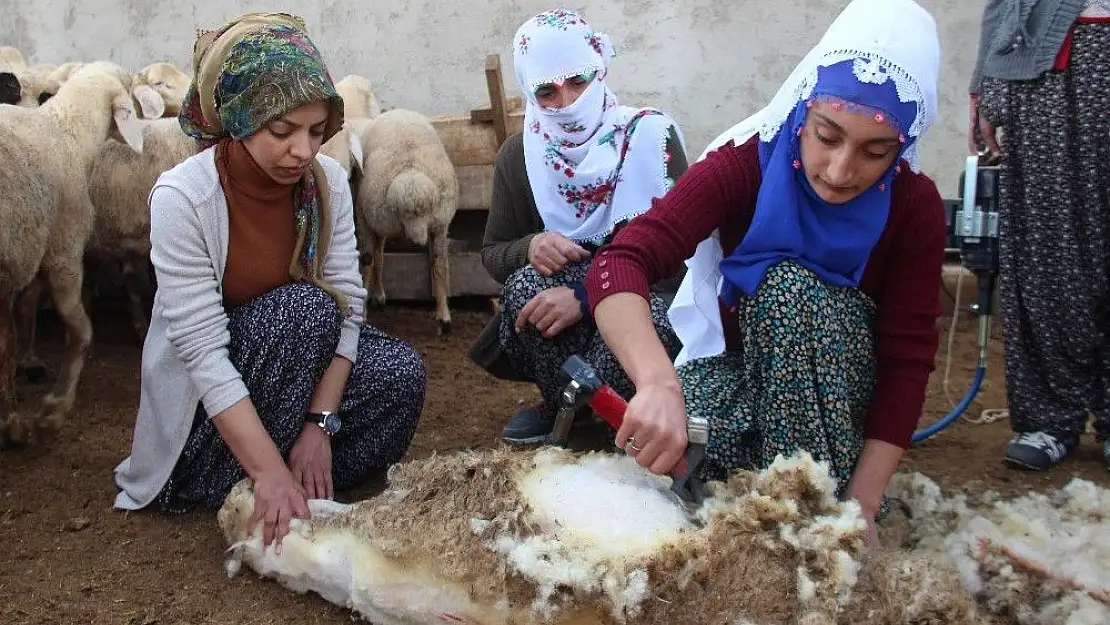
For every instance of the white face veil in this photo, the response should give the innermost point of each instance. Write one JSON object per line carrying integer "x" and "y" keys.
{"x": 894, "y": 40}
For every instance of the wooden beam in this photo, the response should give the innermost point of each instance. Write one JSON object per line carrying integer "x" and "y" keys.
{"x": 468, "y": 143}
{"x": 499, "y": 109}
{"x": 475, "y": 187}
{"x": 485, "y": 115}
{"x": 407, "y": 277}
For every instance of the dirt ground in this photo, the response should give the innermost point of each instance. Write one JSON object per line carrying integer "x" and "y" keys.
{"x": 69, "y": 558}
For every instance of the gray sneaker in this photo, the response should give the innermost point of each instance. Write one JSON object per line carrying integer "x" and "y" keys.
{"x": 1038, "y": 451}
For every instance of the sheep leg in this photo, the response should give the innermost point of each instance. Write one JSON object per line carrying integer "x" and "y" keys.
{"x": 12, "y": 428}
{"x": 377, "y": 266}
{"x": 65, "y": 279}
{"x": 439, "y": 262}
{"x": 26, "y": 322}
{"x": 133, "y": 285}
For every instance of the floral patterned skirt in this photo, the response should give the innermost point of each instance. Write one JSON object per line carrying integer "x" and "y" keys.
{"x": 801, "y": 382}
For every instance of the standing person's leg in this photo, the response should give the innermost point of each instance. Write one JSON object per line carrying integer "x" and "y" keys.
{"x": 281, "y": 342}
{"x": 1048, "y": 285}
{"x": 1090, "y": 70}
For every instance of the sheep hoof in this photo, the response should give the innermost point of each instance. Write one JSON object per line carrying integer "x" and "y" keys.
{"x": 16, "y": 432}
{"x": 444, "y": 327}
{"x": 34, "y": 371}
{"x": 377, "y": 302}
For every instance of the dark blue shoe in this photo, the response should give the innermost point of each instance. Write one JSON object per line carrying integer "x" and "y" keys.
{"x": 532, "y": 425}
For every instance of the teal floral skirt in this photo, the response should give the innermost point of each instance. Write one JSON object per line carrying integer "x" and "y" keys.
{"x": 801, "y": 382}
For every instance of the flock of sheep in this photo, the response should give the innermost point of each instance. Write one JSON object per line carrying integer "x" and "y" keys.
{"x": 81, "y": 145}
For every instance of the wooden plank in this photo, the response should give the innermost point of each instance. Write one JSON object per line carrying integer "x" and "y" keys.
{"x": 475, "y": 187}
{"x": 498, "y": 107}
{"x": 407, "y": 277}
{"x": 485, "y": 115}
{"x": 468, "y": 143}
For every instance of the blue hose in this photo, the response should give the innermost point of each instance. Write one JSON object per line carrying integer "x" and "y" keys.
{"x": 951, "y": 417}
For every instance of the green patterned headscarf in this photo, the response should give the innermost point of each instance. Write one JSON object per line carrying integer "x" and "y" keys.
{"x": 248, "y": 73}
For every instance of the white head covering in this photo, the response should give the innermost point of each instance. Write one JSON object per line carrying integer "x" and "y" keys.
{"x": 898, "y": 37}
{"x": 594, "y": 163}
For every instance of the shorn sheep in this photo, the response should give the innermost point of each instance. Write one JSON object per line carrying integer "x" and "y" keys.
{"x": 552, "y": 536}
{"x": 408, "y": 188}
{"x": 45, "y": 154}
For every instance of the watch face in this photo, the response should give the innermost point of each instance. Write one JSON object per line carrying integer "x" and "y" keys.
{"x": 332, "y": 423}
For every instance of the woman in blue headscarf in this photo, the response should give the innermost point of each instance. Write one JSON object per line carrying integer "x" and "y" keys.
{"x": 808, "y": 312}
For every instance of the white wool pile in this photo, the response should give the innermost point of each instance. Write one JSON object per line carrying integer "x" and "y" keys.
{"x": 592, "y": 518}
{"x": 1041, "y": 559}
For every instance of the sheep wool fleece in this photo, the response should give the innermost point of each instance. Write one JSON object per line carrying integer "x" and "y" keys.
{"x": 1055, "y": 252}
{"x": 251, "y": 71}
{"x": 281, "y": 342}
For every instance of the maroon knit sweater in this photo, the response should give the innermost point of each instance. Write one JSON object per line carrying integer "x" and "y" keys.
{"x": 902, "y": 275}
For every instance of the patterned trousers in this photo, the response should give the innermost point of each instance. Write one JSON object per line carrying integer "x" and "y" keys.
{"x": 541, "y": 359}
{"x": 1055, "y": 260}
{"x": 281, "y": 342}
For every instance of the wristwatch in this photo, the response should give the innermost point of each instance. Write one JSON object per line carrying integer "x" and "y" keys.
{"x": 328, "y": 420}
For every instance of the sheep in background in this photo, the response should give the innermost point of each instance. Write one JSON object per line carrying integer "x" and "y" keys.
{"x": 549, "y": 536}
{"x": 408, "y": 188}
{"x": 152, "y": 102}
{"x": 358, "y": 97}
{"x": 359, "y": 105}
{"x": 11, "y": 60}
{"x": 45, "y": 155}
{"x": 167, "y": 81}
{"x": 120, "y": 181}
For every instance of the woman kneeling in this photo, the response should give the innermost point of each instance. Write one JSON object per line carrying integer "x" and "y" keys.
{"x": 257, "y": 361}
{"x": 823, "y": 335}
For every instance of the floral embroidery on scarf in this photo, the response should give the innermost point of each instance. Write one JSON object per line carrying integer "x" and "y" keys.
{"x": 558, "y": 18}
{"x": 587, "y": 198}
{"x": 572, "y": 127}
{"x": 523, "y": 43}
{"x": 595, "y": 42}
{"x": 535, "y": 127}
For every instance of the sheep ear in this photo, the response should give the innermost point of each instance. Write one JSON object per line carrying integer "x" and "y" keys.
{"x": 152, "y": 104}
{"x": 127, "y": 123}
{"x": 354, "y": 144}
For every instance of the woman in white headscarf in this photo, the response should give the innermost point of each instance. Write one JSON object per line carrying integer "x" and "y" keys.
{"x": 583, "y": 167}
{"x": 807, "y": 314}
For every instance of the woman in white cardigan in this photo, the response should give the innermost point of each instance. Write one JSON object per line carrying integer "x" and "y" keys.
{"x": 257, "y": 362}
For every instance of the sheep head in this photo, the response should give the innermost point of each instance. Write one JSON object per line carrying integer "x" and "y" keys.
{"x": 12, "y": 58}
{"x": 164, "y": 82}
{"x": 112, "y": 80}
{"x": 358, "y": 97}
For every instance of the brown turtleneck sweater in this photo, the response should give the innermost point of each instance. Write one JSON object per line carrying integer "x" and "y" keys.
{"x": 261, "y": 237}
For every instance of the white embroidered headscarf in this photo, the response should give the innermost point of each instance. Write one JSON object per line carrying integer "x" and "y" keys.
{"x": 901, "y": 37}
{"x": 594, "y": 163}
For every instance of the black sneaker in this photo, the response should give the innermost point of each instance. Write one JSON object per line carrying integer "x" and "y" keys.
{"x": 532, "y": 425}
{"x": 1037, "y": 451}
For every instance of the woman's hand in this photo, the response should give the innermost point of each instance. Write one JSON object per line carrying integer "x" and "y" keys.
{"x": 976, "y": 122}
{"x": 551, "y": 311}
{"x": 549, "y": 252}
{"x": 310, "y": 462}
{"x": 277, "y": 500}
{"x": 654, "y": 427}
